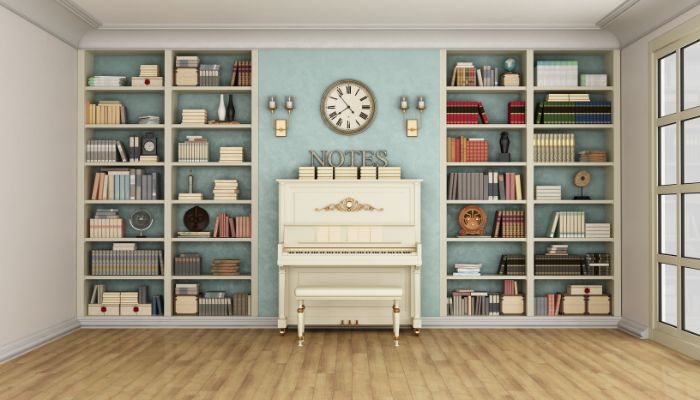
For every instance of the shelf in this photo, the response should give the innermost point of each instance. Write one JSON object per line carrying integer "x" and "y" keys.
{"x": 574, "y": 164}
{"x": 486, "y": 277}
{"x": 578, "y": 202}
{"x": 127, "y": 89}
{"x": 487, "y": 164}
{"x": 143, "y": 127}
{"x": 212, "y": 240}
{"x": 486, "y": 202}
{"x": 504, "y": 127}
{"x": 486, "y": 89}
{"x": 213, "y": 277}
{"x": 574, "y": 126}
{"x": 590, "y": 240}
{"x": 570, "y": 277}
{"x": 211, "y": 164}
{"x": 212, "y": 89}
{"x": 131, "y": 239}
{"x": 124, "y": 202}
{"x": 574, "y": 88}
{"x": 213, "y": 126}
{"x": 485, "y": 239}
{"x": 124, "y": 278}
{"x": 125, "y": 164}
{"x": 212, "y": 201}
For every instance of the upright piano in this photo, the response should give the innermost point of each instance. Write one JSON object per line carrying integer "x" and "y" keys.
{"x": 352, "y": 233}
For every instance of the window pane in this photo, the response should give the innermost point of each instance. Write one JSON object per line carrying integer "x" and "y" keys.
{"x": 691, "y": 146}
{"x": 691, "y": 79}
{"x": 668, "y": 242}
{"x": 691, "y": 300}
{"x": 667, "y": 85}
{"x": 667, "y": 155}
{"x": 691, "y": 225}
{"x": 667, "y": 294}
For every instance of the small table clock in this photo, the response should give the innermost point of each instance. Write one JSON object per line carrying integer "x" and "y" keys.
{"x": 141, "y": 221}
{"x": 472, "y": 221}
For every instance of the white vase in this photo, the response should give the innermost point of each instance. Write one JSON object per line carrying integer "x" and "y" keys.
{"x": 222, "y": 109}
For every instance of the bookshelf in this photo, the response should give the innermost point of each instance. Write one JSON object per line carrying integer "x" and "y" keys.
{"x": 604, "y": 189}
{"x": 167, "y": 102}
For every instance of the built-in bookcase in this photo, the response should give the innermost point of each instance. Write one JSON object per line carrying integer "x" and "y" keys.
{"x": 167, "y": 102}
{"x": 604, "y": 188}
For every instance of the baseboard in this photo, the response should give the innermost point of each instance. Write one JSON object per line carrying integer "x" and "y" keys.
{"x": 178, "y": 322}
{"x": 520, "y": 322}
{"x": 24, "y": 345}
{"x": 634, "y": 328}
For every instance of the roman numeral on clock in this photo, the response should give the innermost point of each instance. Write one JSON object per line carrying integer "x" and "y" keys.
{"x": 363, "y": 98}
{"x": 366, "y": 106}
{"x": 331, "y": 107}
{"x": 348, "y": 89}
{"x": 339, "y": 123}
{"x": 332, "y": 115}
{"x": 363, "y": 115}
{"x": 347, "y": 124}
{"x": 340, "y": 92}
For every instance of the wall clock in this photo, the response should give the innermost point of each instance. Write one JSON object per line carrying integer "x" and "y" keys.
{"x": 472, "y": 221}
{"x": 348, "y": 106}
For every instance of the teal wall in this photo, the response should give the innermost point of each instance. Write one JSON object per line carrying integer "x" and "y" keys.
{"x": 390, "y": 74}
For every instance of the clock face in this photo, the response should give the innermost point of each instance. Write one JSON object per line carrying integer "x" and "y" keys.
{"x": 149, "y": 146}
{"x": 348, "y": 106}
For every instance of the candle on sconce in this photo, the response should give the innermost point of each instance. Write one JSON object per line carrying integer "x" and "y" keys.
{"x": 404, "y": 104}
{"x": 272, "y": 104}
{"x": 289, "y": 105}
{"x": 421, "y": 103}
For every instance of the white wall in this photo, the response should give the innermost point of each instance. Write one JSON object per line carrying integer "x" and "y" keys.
{"x": 38, "y": 108}
{"x": 636, "y": 174}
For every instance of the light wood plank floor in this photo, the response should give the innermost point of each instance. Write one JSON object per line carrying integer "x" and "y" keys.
{"x": 440, "y": 364}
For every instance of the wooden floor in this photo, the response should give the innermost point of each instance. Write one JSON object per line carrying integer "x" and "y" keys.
{"x": 440, "y": 364}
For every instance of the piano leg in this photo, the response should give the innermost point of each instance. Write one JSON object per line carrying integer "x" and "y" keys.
{"x": 396, "y": 311}
{"x": 300, "y": 322}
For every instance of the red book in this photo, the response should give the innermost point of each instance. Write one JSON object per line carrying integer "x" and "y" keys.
{"x": 482, "y": 114}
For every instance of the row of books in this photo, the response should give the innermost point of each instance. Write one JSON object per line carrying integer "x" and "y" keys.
{"x": 581, "y": 112}
{"x": 516, "y": 112}
{"x": 572, "y": 224}
{"x": 242, "y": 73}
{"x": 107, "y": 150}
{"x": 548, "y": 305}
{"x": 106, "y": 81}
{"x": 209, "y": 74}
{"x": 349, "y": 173}
{"x": 548, "y": 192}
{"x": 593, "y": 80}
{"x": 232, "y": 227}
{"x": 467, "y": 269}
{"x": 126, "y": 262}
{"x": 489, "y": 185}
{"x": 125, "y": 184}
{"x": 512, "y": 264}
{"x": 107, "y": 223}
{"x": 556, "y": 72}
{"x": 554, "y": 147}
{"x": 466, "y": 302}
{"x": 194, "y": 149}
{"x": 463, "y": 149}
{"x": 553, "y": 304}
{"x": 467, "y": 74}
{"x": 466, "y": 112}
{"x": 236, "y": 305}
{"x": 105, "y": 112}
{"x": 595, "y": 264}
{"x": 187, "y": 264}
{"x": 509, "y": 224}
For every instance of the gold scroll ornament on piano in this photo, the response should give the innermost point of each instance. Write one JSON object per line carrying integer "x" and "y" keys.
{"x": 349, "y": 204}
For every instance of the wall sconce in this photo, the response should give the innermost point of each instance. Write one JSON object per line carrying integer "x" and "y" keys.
{"x": 412, "y": 125}
{"x": 280, "y": 125}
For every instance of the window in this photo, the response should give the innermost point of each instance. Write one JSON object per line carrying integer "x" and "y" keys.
{"x": 668, "y": 297}
{"x": 667, "y": 85}
{"x": 667, "y": 155}
{"x": 691, "y": 79}
{"x": 691, "y": 300}
{"x": 691, "y": 146}
{"x": 667, "y": 224}
{"x": 691, "y": 225}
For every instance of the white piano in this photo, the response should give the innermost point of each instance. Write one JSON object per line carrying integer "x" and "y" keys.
{"x": 349, "y": 233}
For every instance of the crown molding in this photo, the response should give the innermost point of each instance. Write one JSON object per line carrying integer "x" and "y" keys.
{"x": 292, "y": 27}
{"x": 80, "y": 13}
{"x": 614, "y": 14}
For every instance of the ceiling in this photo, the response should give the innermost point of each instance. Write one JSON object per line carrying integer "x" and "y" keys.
{"x": 510, "y": 14}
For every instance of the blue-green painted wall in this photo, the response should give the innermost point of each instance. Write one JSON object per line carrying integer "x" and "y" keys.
{"x": 390, "y": 74}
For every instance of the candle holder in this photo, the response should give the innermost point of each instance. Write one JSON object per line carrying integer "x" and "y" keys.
{"x": 413, "y": 126}
{"x": 280, "y": 125}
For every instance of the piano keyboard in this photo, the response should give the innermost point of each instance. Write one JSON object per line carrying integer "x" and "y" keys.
{"x": 351, "y": 251}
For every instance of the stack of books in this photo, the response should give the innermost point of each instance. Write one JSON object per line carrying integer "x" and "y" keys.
{"x": 194, "y": 235}
{"x": 598, "y": 264}
{"x": 194, "y": 116}
{"x": 187, "y": 264}
{"x": 593, "y": 156}
{"x": 516, "y": 112}
{"x": 463, "y": 74}
{"x": 568, "y": 224}
{"x": 148, "y": 76}
{"x": 190, "y": 196}
{"x": 186, "y": 289}
{"x": 557, "y": 73}
{"x": 186, "y": 302}
{"x": 463, "y": 149}
{"x": 509, "y": 224}
{"x": 193, "y": 150}
{"x": 129, "y": 298}
{"x": 186, "y": 70}
{"x": 557, "y": 250}
{"x": 307, "y": 173}
{"x": 388, "y": 173}
{"x": 594, "y": 80}
{"x": 125, "y": 184}
{"x": 324, "y": 173}
{"x": 149, "y": 120}
{"x": 231, "y": 154}
{"x": 209, "y": 74}
{"x": 598, "y": 230}
{"x": 149, "y": 70}
{"x": 467, "y": 269}
{"x": 554, "y": 147}
{"x": 226, "y": 267}
{"x": 106, "y": 224}
{"x": 543, "y": 192}
{"x": 106, "y": 81}
{"x": 466, "y": 112}
{"x": 346, "y": 173}
{"x": 512, "y": 264}
{"x": 111, "y": 298}
{"x": 484, "y": 186}
{"x": 226, "y": 189}
{"x": 106, "y": 112}
{"x": 242, "y": 73}
{"x": 126, "y": 261}
{"x": 368, "y": 173}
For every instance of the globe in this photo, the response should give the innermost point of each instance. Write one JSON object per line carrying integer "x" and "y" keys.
{"x": 510, "y": 64}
